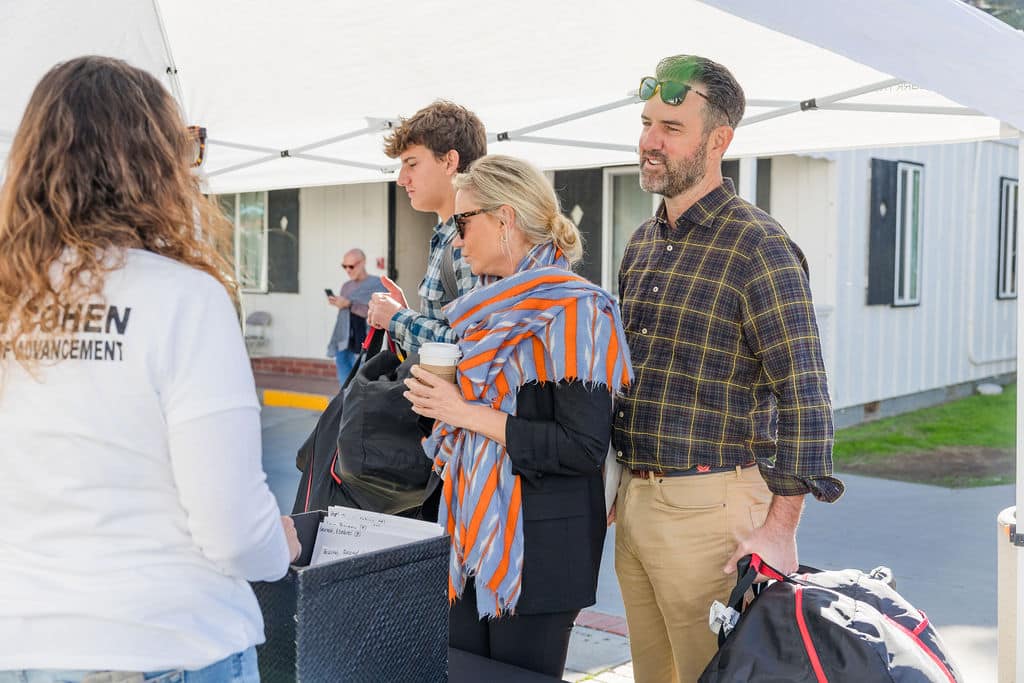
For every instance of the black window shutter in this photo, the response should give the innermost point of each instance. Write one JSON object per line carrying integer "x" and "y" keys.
{"x": 764, "y": 184}
{"x": 283, "y": 241}
{"x": 731, "y": 169}
{"x": 882, "y": 233}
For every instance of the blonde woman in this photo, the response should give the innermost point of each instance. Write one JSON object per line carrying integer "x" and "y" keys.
{"x": 134, "y": 505}
{"x": 519, "y": 443}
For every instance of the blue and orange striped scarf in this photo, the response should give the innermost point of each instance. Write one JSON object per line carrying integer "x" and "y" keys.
{"x": 542, "y": 324}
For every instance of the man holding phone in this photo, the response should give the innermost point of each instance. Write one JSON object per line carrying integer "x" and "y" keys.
{"x": 352, "y": 303}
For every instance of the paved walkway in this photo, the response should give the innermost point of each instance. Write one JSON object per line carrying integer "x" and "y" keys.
{"x": 940, "y": 543}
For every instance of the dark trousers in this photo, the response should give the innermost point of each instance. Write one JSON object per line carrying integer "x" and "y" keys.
{"x": 538, "y": 642}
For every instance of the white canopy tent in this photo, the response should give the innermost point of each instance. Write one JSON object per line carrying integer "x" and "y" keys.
{"x": 299, "y": 93}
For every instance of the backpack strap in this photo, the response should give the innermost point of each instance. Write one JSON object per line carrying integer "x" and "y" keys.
{"x": 448, "y": 282}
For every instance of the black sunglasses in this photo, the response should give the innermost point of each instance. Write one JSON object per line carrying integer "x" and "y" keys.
{"x": 673, "y": 93}
{"x": 462, "y": 218}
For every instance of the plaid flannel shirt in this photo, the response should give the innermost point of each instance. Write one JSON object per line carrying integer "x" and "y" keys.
{"x": 411, "y": 329}
{"x": 724, "y": 342}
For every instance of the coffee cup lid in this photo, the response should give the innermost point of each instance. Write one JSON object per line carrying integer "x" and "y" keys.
{"x": 440, "y": 351}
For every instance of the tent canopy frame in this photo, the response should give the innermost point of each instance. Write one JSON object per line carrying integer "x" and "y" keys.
{"x": 832, "y": 102}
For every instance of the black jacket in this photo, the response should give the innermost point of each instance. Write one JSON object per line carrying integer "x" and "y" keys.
{"x": 557, "y": 442}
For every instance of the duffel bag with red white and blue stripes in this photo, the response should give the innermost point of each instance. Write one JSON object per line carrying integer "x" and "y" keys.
{"x": 820, "y": 626}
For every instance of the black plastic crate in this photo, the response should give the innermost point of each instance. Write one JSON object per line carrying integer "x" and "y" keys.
{"x": 382, "y": 616}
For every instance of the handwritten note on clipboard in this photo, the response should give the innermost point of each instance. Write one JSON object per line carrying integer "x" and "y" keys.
{"x": 346, "y": 532}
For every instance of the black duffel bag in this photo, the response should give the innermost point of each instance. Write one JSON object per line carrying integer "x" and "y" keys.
{"x": 822, "y": 626}
{"x": 317, "y": 489}
{"x": 365, "y": 451}
{"x": 380, "y": 453}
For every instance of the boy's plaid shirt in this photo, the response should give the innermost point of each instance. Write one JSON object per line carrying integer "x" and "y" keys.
{"x": 724, "y": 342}
{"x": 410, "y": 329}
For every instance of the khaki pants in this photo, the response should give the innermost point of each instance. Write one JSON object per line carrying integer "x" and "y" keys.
{"x": 673, "y": 536}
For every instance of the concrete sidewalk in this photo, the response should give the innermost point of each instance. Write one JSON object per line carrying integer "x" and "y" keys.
{"x": 940, "y": 544}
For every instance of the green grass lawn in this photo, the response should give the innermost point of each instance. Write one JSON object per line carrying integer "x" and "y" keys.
{"x": 976, "y": 421}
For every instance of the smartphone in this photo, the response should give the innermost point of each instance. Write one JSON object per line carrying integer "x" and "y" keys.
{"x": 329, "y": 292}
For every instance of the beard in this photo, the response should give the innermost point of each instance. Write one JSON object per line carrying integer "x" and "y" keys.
{"x": 677, "y": 176}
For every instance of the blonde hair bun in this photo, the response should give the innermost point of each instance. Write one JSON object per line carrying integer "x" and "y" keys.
{"x": 497, "y": 180}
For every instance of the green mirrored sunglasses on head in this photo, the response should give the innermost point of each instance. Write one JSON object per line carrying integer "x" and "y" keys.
{"x": 672, "y": 92}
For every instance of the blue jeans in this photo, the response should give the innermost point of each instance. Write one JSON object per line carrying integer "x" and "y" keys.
{"x": 345, "y": 361}
{"x": 240, "y": 667}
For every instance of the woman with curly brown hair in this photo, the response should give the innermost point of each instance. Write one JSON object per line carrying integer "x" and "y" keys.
{"x": 134, "y": 505}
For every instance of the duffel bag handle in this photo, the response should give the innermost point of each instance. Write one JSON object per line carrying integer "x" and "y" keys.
{"x": 365, "y": 354}
{"x": 763, "y": 568}
{"x": 373, "y": 333}
{"x": 747, "y": 569}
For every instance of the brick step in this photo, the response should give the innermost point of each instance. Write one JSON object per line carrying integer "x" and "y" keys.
{"x": 286, "y": 365}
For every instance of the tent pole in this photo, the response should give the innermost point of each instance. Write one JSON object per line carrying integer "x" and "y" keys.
{"x": 239, "y": 145}
{"x": 246, "y": 164}
{"x": 310, "y": 157}
{"x": 818, "y": 101}
{"x": 346, "y": 162}
{"x": 514, "y": 134}
{"x": 771, "y": 103}
{"x": 271, "y": 154}
{"x": 900, "y": 109}
{"x": 1020, "y": 423}
{"x": 577, "y": 143}
{"x": 172, "y": 68}
{"x": 373, "y": 128}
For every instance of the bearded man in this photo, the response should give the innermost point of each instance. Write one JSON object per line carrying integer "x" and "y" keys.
{"x": 728, "y": 424}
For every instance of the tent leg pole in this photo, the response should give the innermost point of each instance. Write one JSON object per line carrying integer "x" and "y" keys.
{"x": 1019, "y": 498}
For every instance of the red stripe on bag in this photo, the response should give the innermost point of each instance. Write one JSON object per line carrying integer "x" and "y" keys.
{"x": 927, "y": 650}
{"x": 812, "y": 654}
{"x": 309, "y": 479}
{"x": 923, "y": 625}
{"x": 334, "y": 475}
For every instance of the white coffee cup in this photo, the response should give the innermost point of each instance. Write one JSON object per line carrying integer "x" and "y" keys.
{"x": 439, "y": 358}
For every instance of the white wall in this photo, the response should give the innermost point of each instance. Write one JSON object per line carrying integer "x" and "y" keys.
{"x": 413, "y": 232}
{"x": 332, "y": 220}
{"x": 883, "y": 352}
{"x": 803, "y": 201}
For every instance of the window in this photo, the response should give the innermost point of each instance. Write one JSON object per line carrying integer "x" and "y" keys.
{"x": 906, "y": 290}
{"x": 895, "y": 233}
{"x": 627, "y": 206}
{"x": 248, "y": 212}
{"x": 266, "y": 239}
{"x": 1007, "y": 269}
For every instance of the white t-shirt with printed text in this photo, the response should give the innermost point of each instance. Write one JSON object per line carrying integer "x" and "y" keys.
{"x": 133, "y": 503}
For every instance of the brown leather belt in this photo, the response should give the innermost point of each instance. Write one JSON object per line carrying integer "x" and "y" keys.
{"x": 643, "y": 474}
{"x": 693, "y": 471}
